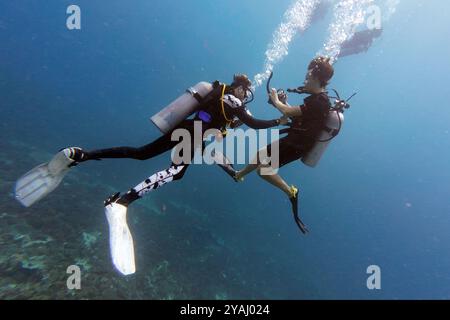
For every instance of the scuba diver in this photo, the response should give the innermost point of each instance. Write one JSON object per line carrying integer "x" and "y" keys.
{"x": 360, "y": 42}
{"x": 304, "y": 138}
{"x": 216, "y": 106}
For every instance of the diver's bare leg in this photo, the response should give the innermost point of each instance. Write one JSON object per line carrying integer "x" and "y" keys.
{"x": 277, "y": 181}
{"x": 249, "y": 168}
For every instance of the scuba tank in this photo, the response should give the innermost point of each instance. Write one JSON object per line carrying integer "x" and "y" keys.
{"x": 181, "y": 108}
{"x": 333, "y": 125}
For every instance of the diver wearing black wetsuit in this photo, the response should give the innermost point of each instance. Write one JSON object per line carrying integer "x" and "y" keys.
{"x": 212, "y": 113}
{"x": 304, "y": 130}
{"x": 308, "y": 120}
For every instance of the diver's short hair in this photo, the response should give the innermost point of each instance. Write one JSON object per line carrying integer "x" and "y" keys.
{"x": 322, "y": 69}
{"x": 240, "y": 79}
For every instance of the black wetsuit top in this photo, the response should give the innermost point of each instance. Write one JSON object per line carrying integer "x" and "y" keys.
{"x": 304, "y": 130}
{"x": 314, "y": 112}
{"x": 233, "y": 108}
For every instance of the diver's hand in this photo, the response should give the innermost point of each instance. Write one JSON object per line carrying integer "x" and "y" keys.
{"x": 274, "y": 96}
{"x": 219, "y": 136}
{"x": 284, "y": 120}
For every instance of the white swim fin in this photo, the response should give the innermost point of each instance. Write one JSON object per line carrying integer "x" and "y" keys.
{"x": 40, "y": 181}
{"x": 120, "y": 238}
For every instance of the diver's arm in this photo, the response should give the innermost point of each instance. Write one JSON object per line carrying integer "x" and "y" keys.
{"x": 236, "y": 124}
{"x": 287, "y": 110}
{"x": 252, "y": 122}
{"x": 236, "y": 108}
{"x": 283, "y": 108}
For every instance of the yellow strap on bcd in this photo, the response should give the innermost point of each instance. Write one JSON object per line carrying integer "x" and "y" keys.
{"x": 223, "y": 107}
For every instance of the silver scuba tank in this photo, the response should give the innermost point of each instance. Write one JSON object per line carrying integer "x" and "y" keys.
{"x": 185, "y": 105}
{"x": 333, "y": 124}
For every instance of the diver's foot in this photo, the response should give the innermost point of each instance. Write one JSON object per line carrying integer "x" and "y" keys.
{"x": 228, "y": 168}
{"x": 76, "y": 154}
{"x": 124, "y": 200}
{"x": 237, "y": 177}
{"x": 294, "y": 202}
{"x": 112, "y": 199}
{"x": 294, "y": 199}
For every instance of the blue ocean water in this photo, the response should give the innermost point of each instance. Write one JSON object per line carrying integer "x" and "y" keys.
{"x": 380, "y": 196}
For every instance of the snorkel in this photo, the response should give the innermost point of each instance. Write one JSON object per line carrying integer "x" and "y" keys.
{"x": 282, "y": 96}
